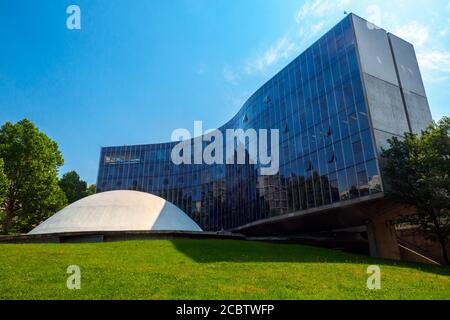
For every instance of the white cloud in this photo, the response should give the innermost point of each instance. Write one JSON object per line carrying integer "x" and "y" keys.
{"x": 281, "y": 50}
{"x": 319, "y": 8}
{"x": 443, "y": 32}
{"x": 317, "y": 27}
{"x": 413, "y": 32}
{"x": 294, "y": 40}
{"x": 229, "y": 75}
{"x": 235, "y": 100}
{"x": 435, "y": 61}
{"x": 374, "y": 14}
{"x": 435, "y": 65}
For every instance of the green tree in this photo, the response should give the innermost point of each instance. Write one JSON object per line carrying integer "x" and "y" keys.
{"x": 417, "y": 172}
{"x": 4, "y": 184}
{"x": 90, "y": 190}
{"x": 31, "y": 162}
{"x": 73, "y": 186}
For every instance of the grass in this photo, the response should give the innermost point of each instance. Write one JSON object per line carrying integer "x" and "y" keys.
{"x": 208, "y": 269}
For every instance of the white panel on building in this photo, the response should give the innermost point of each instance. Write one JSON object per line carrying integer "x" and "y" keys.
{"x": 374, "y": 50}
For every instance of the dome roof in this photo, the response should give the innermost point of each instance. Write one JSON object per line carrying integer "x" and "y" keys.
{"x": 118, "y": 211}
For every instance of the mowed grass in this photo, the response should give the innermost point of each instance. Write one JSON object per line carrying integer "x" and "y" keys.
{"x": 208, "y": 269}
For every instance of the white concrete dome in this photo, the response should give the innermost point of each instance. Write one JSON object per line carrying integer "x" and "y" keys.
{"x": 118, "y": 211}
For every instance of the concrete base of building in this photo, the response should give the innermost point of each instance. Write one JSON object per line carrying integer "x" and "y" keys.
{"x": 418, "y": 246}
{"x": 376, "y": 213}
{"x": 352, "y": 242}
{"x": 110, "y": 236}
{"x": 383, "y": 239}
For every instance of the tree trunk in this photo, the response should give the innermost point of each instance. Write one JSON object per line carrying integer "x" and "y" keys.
{"x": 7, "y": 223}
{"x": 9, "y": 210}
{"x": 444, "y": 250}
{"x": 442, "y": 240}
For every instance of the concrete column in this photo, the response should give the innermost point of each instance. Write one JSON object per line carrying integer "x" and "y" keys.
{"x": 383, "y": 239}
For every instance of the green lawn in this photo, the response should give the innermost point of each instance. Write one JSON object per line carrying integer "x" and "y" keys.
{"x": 208, "y": 269}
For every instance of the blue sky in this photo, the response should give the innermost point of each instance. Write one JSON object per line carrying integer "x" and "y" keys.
{"x": 139, "y": 69}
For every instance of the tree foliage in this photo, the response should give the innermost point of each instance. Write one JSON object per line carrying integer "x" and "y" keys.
{"x": 91, "y": 190}
{"x": 73, "y": 186}
{"x": 417, "y": 172}
{"x": 4, "y": 184}
{"x": 31, "y": 162}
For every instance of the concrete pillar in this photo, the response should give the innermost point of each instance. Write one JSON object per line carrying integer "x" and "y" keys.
{"x": 383, "y": 239}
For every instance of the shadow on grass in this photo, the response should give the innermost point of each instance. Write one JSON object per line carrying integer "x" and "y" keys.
{"x": 235, "y": 251}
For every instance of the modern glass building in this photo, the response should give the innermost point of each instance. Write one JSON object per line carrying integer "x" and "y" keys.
{"x": 335, "y": 106}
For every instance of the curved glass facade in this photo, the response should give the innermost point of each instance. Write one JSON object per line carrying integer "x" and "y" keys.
{"x": 326, "y": 146}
